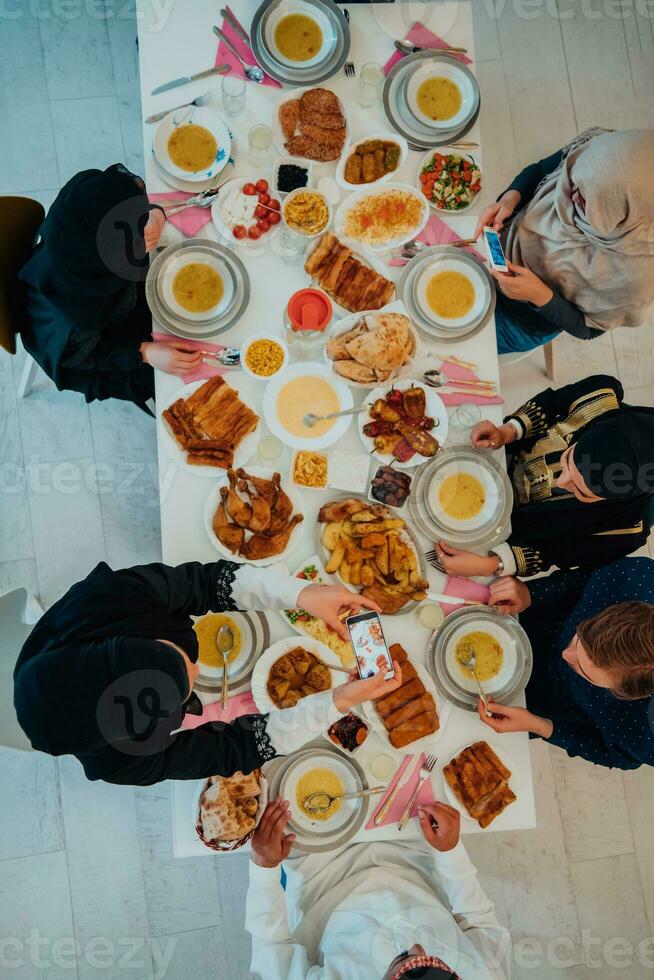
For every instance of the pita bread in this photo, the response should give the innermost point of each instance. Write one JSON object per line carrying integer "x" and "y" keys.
{"x": 228, "y": 806}
{"x": 383, "y": 348}
{"x": 355, "y": 372}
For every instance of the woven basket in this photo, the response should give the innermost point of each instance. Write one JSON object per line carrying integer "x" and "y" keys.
{"x": 232, "y": 845}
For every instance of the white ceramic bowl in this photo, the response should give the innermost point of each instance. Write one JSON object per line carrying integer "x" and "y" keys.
{"x": 199, "y": 116}
{"x": 269, "y": 657}
{"x": 283, "y": 10}
{"x": 248, "y": 343}
{"x": 427, "y": 159}
{"x": 302, "y": 190}
{"x": 451, "y": 265}
{"x": 189, "y": 257}
{"x": 291, "y": 162}
{"x": 307, "y": 369}
{"x": 391, "y": 137}
{"x": 440, "y": 70}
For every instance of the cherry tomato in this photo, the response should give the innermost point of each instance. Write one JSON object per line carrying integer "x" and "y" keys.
{"x": 263, "y": 224}
{"x": 249, "y": 189}
{"x": 254, "y": 232}
{"x": 238, "y": 231}
{"x": 260, "y": 211}
{"x": 264, "y": 198}
{"x": 262, "y": 185}
{"x": 273, "y": 203}
{"x": 274, "y": 217}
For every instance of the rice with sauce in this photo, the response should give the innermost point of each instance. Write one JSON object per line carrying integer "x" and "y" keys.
{"x": 379, "y": 218}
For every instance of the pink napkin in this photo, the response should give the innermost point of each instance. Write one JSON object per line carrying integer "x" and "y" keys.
{"x": 425, "y": 796}
{"x": 459, "y": 373}
{"x": 190, "y": 220}
{"x": 240, "y": 704}
{"x": 204, "y": 370}
{"x": 224, "y": 55}
{"x": 437, "y": 232}
{"x": 466, "y": 589}
{"x": 422, "y": 36}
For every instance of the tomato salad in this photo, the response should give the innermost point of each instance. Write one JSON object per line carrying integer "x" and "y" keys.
{"x": 450, "y": 182}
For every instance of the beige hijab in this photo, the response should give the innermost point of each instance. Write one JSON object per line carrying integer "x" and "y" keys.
{"x": 601, "y": 258}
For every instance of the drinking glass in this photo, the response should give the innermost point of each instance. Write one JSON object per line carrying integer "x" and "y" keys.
{"x": 260, "y": 140}
{"x": 371, "y": 80}
{"x": 463, "y": 420}
{"x": 270, "y": 448}
{"x": 233, "y": 87}
{"x": 292, "y": 247}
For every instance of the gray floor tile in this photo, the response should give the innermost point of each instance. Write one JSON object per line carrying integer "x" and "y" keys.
{"x": 54, "y": 425}
{"x": 19, "y": 574}
{"x": 15, "y": 529}
{"x": 130, "y": 121}
{"x": 87, "y": 134}
{"x": 28, "y": 157}
{"x": 22, "y": 75}
{"x": 30, "y": 783}
{"x": 121, "y": 26}
{"x": 76, "y": 50}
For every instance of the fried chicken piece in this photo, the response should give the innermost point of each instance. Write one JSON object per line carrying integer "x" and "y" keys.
{"x": 289, "y": 117}
{"x": 406, "y": 712}
{"x": 389, "y": 602}
{"x": 303, "y": 146}
{"x": 229, "y": 535}
{"x": 266, "y": 546}
{"x": 281, "y": 509}
{"x": 326, "y": 120}
{"x": 323, "y": 137}
{"x": 267, "y": 489}
{"x": 398, "y": 698}
{"x": 320, "y": 100}
{"x": 340, "y": 510}
{"x": 260, "y": 519}
{"x": 237, "y": 509}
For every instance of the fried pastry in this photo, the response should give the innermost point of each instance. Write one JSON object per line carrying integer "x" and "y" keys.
{"x": 479, "y": 780}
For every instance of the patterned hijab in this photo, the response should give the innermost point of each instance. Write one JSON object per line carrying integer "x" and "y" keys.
{"x": 589, "y": 229}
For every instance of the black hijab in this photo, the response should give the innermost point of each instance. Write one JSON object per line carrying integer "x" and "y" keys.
{"x": 615, "y": 456}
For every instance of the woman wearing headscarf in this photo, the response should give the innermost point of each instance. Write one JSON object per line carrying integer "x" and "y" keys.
{"x": 577, "y": 234}
{"x": 84, "y": 317}
{"x": 107, "y": 673}
{"x": 581, "y": 463}
{"x": 592, "y": 684}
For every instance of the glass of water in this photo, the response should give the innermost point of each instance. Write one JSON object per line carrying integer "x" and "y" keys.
{"x": 371, "y": 81}
{"x": 463, "y": 420}
{"x": 260, "y": 140}
{"x": 233, "y": 87}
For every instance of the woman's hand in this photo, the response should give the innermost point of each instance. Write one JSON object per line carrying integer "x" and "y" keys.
{"x": 523, "y": 285}
{"x": 440, "y": 825}
{"x": 356, "y": 691}
{"x": 332, "y": 604}
{"x": 270, "y": 845}
{"x": 487, "y": 435}
{"x": 509, "y": 718}
{"x": 171, "y": 358}
{"x": 154, "y": 227}
{"x": 456, "y": 561}
{"x": 509, "y": 595}
{"x": 495, "y": 215}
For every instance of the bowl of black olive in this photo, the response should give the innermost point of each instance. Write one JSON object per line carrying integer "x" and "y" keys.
{"x": 290, "y": 174}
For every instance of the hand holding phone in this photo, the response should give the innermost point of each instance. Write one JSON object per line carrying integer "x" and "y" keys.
{"x": 495, "y": 251}
{"x": 369, "y": 645}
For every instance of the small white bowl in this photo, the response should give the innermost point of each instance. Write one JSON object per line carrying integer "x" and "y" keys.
{"x": 427, "y": 159}
{"x": 192, "y": 256}
{"x": 302, "y": 190}
{"x": 283, "y": 10}
{"x": 246, "y": 346}
{"x": 450, "y": 265}
{"x": 390, "y": 137}
{"x": 292, "y": 162}
{"x": 440, "y": 70}
{"x": 303, "y": 486}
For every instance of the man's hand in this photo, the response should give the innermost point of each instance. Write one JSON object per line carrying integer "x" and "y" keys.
{"x": 270, "y": 845}
{"x": 457, "y": 561}
{"x": 153, "y": 229}
{"x": 440, "y": 825}
{"x": 487, "y": 435}
{"x": 356, "y": 691}
{"x": 510, "y": 718}
{"x": 172, "y": 358}
{"x": 509, "y": 595}
{"x": 523, "y": 285}
{"x": 333, "y": 604}
{"x": 495, "y": 215}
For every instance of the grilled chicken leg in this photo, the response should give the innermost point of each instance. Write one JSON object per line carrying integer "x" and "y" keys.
{"x": 260, "y": 519}
{"x": 239, "y": 510}
{"x": 263, "y": 546}
{"x": 230, "y": 535}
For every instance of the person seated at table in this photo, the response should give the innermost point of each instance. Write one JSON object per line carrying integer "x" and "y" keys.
{"x": 107, "y": 673}
{"x": 389, "y": 909}
{"x": 591, "y": 688}
{"x": 581, "y": 462}
{"x": 577, "y": 234}
{"x": 85, "y": 319}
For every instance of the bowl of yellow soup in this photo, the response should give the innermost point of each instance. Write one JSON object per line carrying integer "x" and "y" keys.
{"x": 321, "y": 771}
{"x": 298, "y": 34}
{"x": 193, "y": 144}
{"x": 463, "y": 495}
{"x": 451, "y": 293}
{"x": 302, "y": 389}
{"x": 440, "y": 95}
{"x": 197, "y": 285}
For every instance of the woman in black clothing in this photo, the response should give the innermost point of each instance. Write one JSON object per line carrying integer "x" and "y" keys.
{"x": 85, "y": 319}
{"x": 107, "y": 673}
{"x": 582, "y": 467}
{"x": 576, "y": 229}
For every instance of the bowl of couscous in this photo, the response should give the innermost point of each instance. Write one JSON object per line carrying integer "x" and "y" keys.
{"x": 262, "y": 357}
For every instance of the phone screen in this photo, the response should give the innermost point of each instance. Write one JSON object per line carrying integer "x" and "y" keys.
{"x": 495, "y": 247}
{"x": 369, "y": 645}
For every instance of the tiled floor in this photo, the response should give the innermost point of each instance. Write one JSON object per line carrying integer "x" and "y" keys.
{"x": 92, "y": 863}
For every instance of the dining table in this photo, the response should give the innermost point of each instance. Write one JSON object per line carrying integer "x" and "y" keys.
{"x": 177, "y": 40}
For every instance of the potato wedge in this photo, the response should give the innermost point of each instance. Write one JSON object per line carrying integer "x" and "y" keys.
{"x": 367, "y": 575}
{"x": 355, "y": 573}
{"x": 381, "y": 558}
{"x": 337, "y": 557}
{"x": 363, "y": 515}
{"x": 344, "y": 572}
{"x": 373, "y": 540}
{"x": 331, "y": 534}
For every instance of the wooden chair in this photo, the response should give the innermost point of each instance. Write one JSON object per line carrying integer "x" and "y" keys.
{"x": 20, "y": 219}
{"x": 18, "y": 613}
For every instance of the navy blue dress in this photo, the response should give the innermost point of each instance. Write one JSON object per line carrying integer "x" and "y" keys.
{"x": 588, "y": 721}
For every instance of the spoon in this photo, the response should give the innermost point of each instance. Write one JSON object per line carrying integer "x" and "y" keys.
{"x": 320, "y": 802}
{"x": 252, "y": 72}
{"x": 224, "y": 645}
{"x": 310, "y": 419}
{"x": 408, "y": 47}
{"x": 436, "y": 379}
{"x": 469, "y": 662}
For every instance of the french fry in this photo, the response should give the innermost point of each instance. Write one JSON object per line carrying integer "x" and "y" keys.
{"x": 336, "y": 558}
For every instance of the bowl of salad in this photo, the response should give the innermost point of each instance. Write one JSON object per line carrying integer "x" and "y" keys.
{"x": 449, "y": 181}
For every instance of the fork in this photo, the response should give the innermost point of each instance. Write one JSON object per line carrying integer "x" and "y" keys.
{"x": 199, "y": 101}
{"x": 205, "y": 198}
{"x": 348, "y": 67}
{"x": 425, "y": 772}
{"x": 432, "y": 559}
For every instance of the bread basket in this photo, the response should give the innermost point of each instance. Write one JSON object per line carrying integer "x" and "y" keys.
{"x": 232, "y": 845}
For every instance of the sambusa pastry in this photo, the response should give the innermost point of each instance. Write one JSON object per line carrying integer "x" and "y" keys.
{"x": 228, "y": 807}
{"x": 347, "y": 279}
{"x": 210, "y": 424}
{"x": 479, "y": 780}
{"x": 409, "y": 712}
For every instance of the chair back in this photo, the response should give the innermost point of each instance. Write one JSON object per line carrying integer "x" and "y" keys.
{"x": 20, "y": 219}
{"x": 14, "y": 631}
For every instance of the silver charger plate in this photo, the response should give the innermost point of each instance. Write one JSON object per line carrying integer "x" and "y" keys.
{"x": 417, "y": 135}
{"x": 298, "y": 76}
{"x": 317, "y": 841}
{"x": 198, "y": 330}
{"x": 256, "y": 637}
{"x": 511, "y": 636}
{"x": 495, "y": 528}
{"x": 406, "y": 292}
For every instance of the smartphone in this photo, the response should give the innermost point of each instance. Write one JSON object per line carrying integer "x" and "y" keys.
{"x": 369, "y": 645}
{"x": 495, "y": 251}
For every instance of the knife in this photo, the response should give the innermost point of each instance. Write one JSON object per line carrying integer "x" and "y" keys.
{"x": 409, "y": 771}
{"x": 218, "y": 70}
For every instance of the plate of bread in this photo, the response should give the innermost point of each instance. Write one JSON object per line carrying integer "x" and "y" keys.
{"x": 481, "y": 782}
{"x": 229, "y": 808}
{"x": 373, "y": 347}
